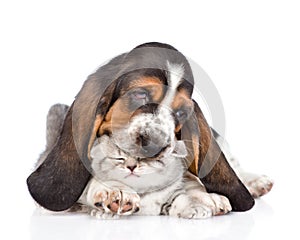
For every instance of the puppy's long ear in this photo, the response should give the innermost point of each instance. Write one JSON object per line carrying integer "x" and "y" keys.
{"x": 60, "y": 180}
{"x": 210, "y": 164}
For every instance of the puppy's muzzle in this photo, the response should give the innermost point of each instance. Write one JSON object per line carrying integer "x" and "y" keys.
{"x": 151, "y": 145}
{"x": 150, "y": 131}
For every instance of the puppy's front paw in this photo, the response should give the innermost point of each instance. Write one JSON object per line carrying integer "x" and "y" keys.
{"x": 260, "y": 186}
{"x": 117, "y": 202}
{"x": 218, "y": 204}
{"x": 185, "y": 207}
{"x": 191, "y": 212}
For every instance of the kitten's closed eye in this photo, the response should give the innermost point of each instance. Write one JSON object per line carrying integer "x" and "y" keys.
{"x": 157, "y": 163}
{"x": 119, "y": 160}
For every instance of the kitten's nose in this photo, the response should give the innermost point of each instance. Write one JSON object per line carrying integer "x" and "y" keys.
{"x": 131, "y": 168}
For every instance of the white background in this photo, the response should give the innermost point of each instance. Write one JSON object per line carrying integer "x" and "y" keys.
{"x": 251, "y": 51}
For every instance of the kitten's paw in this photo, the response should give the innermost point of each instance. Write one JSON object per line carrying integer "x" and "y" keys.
{"x": 117, "y": 202}
{"x": 130, "y": 203}
{"x": 101, "y": 214}
{"x": 260, "y": 186}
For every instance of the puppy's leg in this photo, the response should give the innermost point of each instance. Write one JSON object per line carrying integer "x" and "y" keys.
{"x": 184, "y": 206}
{"x": 109, "y": 199}
{"x": 217, "y": 204}
{"x": 258, "y": 185}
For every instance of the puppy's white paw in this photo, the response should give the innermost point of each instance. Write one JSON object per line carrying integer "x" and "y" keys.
{"x": 218, "y": 204}
{"x": 260, "y": 186}
{"x": 192, "y": 212}
{"x": 185, "y": 207}
{"x": 202, "y": 211}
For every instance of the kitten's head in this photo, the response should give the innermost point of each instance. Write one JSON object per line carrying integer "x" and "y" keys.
{"x": 142, "y": 174}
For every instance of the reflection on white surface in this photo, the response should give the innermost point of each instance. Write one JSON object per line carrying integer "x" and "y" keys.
{"x": 45, "y": 225}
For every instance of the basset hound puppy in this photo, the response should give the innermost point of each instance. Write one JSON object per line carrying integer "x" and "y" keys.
{"x": 113, "y": 101}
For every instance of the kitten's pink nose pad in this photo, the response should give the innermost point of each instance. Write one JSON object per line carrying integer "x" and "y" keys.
{"x": 131, "y": 168}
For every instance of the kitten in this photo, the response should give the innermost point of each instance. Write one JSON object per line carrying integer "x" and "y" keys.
{"x": 124, "y": 185}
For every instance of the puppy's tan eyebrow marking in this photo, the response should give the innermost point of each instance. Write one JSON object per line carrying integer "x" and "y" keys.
{"x": 182, "y": 100}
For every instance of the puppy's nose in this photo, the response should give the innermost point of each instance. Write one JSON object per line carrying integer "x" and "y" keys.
{"x": 131, "y": 168}
{"x": 148, "y": 147}
{"x": 144, "y": 140}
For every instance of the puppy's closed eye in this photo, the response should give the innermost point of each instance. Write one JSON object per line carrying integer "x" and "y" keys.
{"x": 139, "y": 97}
{"x": 181, "y": 115}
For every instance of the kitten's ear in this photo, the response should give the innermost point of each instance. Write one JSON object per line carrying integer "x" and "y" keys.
{"x": 209, "y": 163}
{"x": 179, "y": 149}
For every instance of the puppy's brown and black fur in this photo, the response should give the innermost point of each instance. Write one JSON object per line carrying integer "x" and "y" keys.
{"x": 102, "y": 107}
